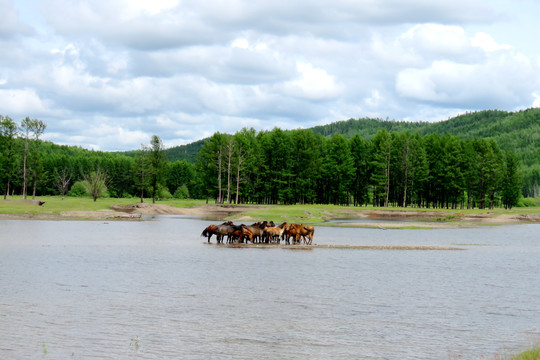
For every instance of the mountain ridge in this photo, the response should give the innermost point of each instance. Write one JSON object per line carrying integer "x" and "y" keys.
{"x": 514, "y": 131}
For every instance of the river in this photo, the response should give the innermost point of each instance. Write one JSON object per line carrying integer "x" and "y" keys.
{"x": 156, "y": 289}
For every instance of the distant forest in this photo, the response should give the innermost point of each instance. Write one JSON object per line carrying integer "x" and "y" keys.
{"x": 482, "y": 159}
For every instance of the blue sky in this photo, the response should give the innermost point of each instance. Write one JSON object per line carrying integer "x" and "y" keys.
{"x": 108, "y": 74}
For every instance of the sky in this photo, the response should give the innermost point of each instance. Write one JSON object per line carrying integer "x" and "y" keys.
{"x": 108, "y": 74}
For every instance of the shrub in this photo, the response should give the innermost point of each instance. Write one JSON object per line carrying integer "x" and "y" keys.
{"x": 163, "y": 193}
{"x": 78, "y": 189}
{"x": 182, "y": 192}
{"x": 526, "y": 202}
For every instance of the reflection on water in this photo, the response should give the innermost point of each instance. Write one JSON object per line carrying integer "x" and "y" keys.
{"x": 372, "y": 220}
{"x": 154, "y": 289}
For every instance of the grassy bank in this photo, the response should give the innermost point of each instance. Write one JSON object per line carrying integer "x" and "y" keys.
{"x": 305, "y": 214}
{"x": 317, "y": 214}
{"x": 54, "y": 205}
{"x": 532, "y": 354}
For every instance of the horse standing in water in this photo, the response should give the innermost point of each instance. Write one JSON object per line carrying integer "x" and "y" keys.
{"x": 220, "y": 231}
{"x": 299, "y": 232}
{"x": 209, "y": 231}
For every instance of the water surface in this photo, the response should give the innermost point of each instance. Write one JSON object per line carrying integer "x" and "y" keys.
{"x": 155, "y": 289}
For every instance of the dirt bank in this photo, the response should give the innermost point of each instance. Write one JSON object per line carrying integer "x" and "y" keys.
{"x": 367, "y": 217}
{"x": 432, "y": 219}
{"x": 204, "y": 211}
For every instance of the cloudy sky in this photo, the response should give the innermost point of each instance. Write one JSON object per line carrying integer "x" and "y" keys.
{"x": 107, "y": 74}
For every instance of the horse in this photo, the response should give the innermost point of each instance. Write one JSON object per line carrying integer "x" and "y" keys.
{"x": 299, "y": 231}
{"x": 274, "y": 233}
{"x": 306, "y": 232}
{"x": 288, "y": 232}
{"x": 209, "y": 231}
{"x": 239, "y": 233}
{"x": 225, "y": 229}
{"x": 257, "y": 229}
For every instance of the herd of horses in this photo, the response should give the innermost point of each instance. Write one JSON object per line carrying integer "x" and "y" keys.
{"x": 261, "y": 232}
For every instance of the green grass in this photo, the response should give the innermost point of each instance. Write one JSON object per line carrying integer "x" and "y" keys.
{"x": 531, "y": 354}
{"x": 305, "y": 214}
{"x": 55, "y": 205}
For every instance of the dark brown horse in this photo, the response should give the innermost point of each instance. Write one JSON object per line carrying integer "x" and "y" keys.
{"x": 220, "y": 231}
{"x": 209, "y": 231}
{"x": 239, "y": 233}
{"x": 257, "y": 229}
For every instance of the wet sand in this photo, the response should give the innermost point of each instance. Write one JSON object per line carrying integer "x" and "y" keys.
{"x": 367, "y": 218}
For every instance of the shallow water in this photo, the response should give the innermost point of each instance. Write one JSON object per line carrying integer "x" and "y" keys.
{"x": 155, "y": 289}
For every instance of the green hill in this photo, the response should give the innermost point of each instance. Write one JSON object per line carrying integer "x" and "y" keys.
{"x": 515, "y": 131}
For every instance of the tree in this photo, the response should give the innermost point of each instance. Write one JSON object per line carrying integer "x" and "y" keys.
{"x": 243, "y": 142}
{"x": 338, "y": 169}
{"x": 305, "y": 165}
{"x": 419, "y": 170}
{"x": 531, "y": 181}
{"x": 62, "y": 181}
{"x": 209, "y": 166}
{"x": 96, "y": 184}
{"x": 141, "y": 164}
{"x": 8, "y": 131}
{"x": 35, "y": 128}
{"x": 179, "y": 173}
{"x": 360, "y": 182}
{"x": 157, "y": 163}
{"x": 229, "y": 153}
{"x": 381, "y": 148}
{"x": 512, "y": 181}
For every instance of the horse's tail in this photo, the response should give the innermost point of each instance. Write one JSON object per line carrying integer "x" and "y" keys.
{"x": 205, "y": 233}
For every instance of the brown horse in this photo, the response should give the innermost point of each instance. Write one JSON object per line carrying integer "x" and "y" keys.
{"x": 257, "y": 229}
{"x": 239, "y": 233}
{"x": 299, "y": 232}
{"x": 209, "y": 231}
{"x": 220, "y": 231}
{"x": 274, "y": 233}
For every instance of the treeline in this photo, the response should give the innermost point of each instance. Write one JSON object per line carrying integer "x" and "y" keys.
{"x": 270, "y": 167}
{"x": 518, "y": 132}
{"x": 58, "y": 169}
{"x": 398, "y": 169}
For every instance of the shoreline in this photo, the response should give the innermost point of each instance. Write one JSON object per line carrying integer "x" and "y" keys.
{"x": 366, "y": 218}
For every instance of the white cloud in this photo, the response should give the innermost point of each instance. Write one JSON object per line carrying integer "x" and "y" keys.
{"x": 103, "y": 70}
{"x": 500, "y": 77}
{"x": 536, "y": 102}
{"x": 487, "y": 43}
{"x": 22, "y": 102}
{"x": 152, "y": 7}
{"x": 312, "y": 83}
{"x": 10, "y": 23}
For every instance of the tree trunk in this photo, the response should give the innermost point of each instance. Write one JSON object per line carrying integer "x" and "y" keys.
{"x": 24, "y": 166}
{"x": 35, "y": 186}
{"x": 387, "y": 181}
{"x": 7, "y": 191}
{"x": 229, "y": 158}
{"x": 219, "y": 176}
{"x": 238, "y": 178}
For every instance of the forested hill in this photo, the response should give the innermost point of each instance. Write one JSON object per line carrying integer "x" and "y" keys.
{"x": 183, "y": 152}
{"x": 515, "y": 131}
{"x": 518, "y": 132}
